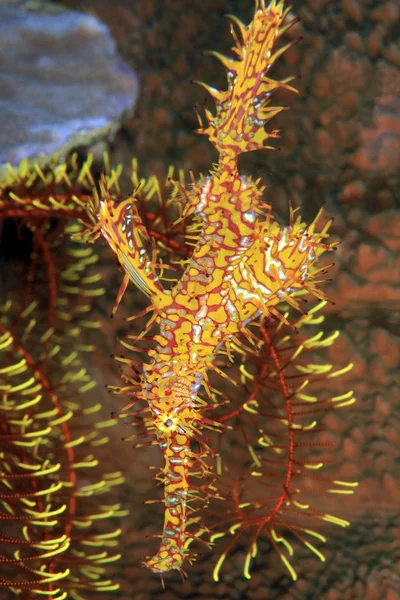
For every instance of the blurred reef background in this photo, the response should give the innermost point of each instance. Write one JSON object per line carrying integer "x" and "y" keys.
{"x": 340, "y": 146}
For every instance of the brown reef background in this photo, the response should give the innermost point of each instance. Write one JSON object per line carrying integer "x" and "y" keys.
{"x": 340, "y": 145}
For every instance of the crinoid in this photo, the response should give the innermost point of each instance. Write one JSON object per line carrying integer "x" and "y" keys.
{"x": 56, "y": 499}
{"x": 277, "y": 493}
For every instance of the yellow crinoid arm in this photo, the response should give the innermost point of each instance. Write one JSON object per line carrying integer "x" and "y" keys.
{"x": 243, "y": 109}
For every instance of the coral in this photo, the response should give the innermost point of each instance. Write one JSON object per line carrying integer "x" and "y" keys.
{"x": 79, "y": 87}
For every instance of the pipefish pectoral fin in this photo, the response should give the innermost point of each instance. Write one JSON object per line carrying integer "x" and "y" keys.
{"x": 122, "y": 227}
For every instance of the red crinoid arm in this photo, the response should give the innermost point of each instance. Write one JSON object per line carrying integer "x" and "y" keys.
{"x": 284, "y": 477}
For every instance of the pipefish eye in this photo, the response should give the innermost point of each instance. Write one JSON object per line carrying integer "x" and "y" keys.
{"x": 169, "y": 423}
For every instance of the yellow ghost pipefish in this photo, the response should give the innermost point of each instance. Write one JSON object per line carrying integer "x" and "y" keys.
{"x": 243, "y": 265}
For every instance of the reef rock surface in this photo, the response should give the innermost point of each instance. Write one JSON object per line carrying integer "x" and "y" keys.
{"x": 63, "y": 84}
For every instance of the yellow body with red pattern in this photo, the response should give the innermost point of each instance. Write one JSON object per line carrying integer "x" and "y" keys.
{"x": 243, "y": 265}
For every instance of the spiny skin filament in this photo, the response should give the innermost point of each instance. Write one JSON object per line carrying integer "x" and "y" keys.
{"x": 243, "y": 265}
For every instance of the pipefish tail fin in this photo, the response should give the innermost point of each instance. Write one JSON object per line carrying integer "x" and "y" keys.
{"x": 243, "y": 110}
